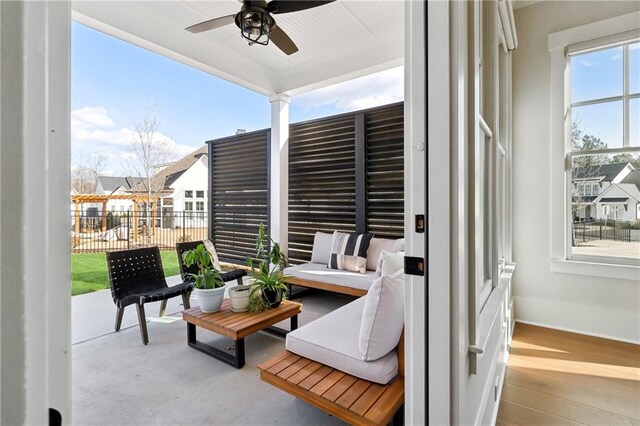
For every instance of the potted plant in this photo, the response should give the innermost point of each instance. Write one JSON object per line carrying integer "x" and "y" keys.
{"x": 269, "y": 283}
{"x": 209, "y": 287}
{"x": 239, "y": 296}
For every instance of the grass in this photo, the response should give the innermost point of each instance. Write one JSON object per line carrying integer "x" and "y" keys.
{"x": 89, "y": 270}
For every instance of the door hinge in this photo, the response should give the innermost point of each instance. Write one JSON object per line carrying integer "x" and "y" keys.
{"x": 414, "y": 266}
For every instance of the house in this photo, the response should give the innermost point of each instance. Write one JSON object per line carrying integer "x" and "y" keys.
{"x": 116, "y": 185}
{"x": 621, "y": 200}
{"x": 486, "y": 187}
{"x": 605, "y": 191}
{"x": 182, "y": 190}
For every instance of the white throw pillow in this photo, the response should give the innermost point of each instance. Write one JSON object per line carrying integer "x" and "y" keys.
{"x": 389, "y": 263}
{"x": 377, "y": 246}
{"x": 321, "y": 248}
{"x": 382, "y": 317}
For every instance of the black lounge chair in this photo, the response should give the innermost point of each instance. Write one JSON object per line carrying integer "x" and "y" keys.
{"x": 235, "y": 274}
{"x": 136, "y": 276}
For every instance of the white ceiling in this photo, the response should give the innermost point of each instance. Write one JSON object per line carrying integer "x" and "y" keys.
{"x": 337, "y": 41}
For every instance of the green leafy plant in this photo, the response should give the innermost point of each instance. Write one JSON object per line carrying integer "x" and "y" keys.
{"x": 267, "y": 274}
{"x": 207, "y": 277}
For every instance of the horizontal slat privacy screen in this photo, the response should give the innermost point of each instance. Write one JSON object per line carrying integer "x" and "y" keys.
{"x": 346, "y": 173}
{"x": 385, "y": 172}
{"x": 322, "y": 182}
{"x": 239, "y": 193}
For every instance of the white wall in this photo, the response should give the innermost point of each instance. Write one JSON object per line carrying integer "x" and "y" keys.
{"x": 193, "y": 179}
{"x": 586, "y": 304}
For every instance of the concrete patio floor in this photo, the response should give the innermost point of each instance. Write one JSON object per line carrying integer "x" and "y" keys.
{"x": 117, "y": 380}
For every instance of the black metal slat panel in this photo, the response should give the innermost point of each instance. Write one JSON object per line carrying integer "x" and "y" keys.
{"x": 239, "y": 193}
{"x": 321, "y": 181}
{"x": 385, "y": 171}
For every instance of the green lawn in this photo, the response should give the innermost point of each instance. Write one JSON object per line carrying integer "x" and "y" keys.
{"x": 89, "y": 270}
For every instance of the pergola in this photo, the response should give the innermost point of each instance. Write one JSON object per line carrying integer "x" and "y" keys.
{"x": 80, "y": 199}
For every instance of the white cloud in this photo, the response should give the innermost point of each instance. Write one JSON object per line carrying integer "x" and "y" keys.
{"x": 364, "y": 92}
{"x": 94, "y": 133}
{"x": 88, "y": 117}
{"x": 585, "y": 63}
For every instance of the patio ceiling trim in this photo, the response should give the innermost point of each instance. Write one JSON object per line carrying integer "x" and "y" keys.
{"x": 159, "y": 31}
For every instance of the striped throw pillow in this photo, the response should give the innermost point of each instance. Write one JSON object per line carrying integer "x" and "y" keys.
{"x": 349, "y": 251}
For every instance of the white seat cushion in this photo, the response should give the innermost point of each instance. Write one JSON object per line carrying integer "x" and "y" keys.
{"x": 323, "y": 274}
{"x": 333, "y": 340}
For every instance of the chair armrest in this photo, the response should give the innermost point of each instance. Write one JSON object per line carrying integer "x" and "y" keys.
{"x": 232, "y": 275}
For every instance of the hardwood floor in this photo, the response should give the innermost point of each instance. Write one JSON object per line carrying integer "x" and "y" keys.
{"x": 560, "y": 378}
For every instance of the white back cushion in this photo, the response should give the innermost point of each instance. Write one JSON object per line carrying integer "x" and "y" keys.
{"x": 321, "y": 248}
{"x": 215, "y": 262}
{"x": 382, "y": 317}
{"x": 389, "y": 263}
{"x": 377, "y": 246}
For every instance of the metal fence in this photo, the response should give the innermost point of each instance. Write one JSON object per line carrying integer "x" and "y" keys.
{"x": 602, "y": 230}
{"x": 93, "y": 231}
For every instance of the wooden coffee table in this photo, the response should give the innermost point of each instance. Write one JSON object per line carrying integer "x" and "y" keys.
{"x": 237, "y": 326}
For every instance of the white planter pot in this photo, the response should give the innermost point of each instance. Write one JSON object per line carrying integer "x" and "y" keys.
{"x": 209, "y": 300}
{"x": 239, "y": 296}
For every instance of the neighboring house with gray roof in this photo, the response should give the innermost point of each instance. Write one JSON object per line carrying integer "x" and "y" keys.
{"x": 182, "y": 187}
{"x": 608, "y": 191}
{"x": 116, "y": 185}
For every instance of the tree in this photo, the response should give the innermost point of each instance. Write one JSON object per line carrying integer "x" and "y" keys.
{"x": 85, "y": 173}
{"x": 585, "y": 170}
{"x": 627, "y": 158}
{"x": 585, "y": 142}
{"x": 148, "y": 151}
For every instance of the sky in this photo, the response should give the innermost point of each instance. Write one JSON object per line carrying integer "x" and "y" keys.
{"x": 598, "y": 75}
{"x": 113, "y": 84}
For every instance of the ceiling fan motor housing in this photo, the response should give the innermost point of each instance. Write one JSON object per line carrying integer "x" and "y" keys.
{"x": 255, "y": 23}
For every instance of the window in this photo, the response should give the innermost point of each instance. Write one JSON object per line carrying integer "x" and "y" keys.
{"x": 200, "y": 206}
{"x": 488, "y": 150}
{"x": 199, "y": 194}
{"x": 188, "y": 194}
{"x": 188, "y": 206}
{"x": 603, "y": 145}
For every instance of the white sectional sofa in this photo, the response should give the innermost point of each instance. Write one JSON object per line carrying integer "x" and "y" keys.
{"x": 316, "y": 274}
{"x": 320, "y": 342}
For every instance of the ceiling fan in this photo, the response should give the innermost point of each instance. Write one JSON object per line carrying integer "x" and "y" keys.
{"x": 256, "y": 23}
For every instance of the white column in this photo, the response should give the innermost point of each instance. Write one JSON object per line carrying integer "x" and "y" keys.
{"x": 415, "y": 191}
{"x": 279, "y": 170}
{"x": 34, "y": 218}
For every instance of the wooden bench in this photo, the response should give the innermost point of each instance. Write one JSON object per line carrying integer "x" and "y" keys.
{"x": 336, "y": 288}
{"x": 348, "y": 398}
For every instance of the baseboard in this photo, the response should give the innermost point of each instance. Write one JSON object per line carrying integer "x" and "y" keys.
{"x": 570, "y": 330}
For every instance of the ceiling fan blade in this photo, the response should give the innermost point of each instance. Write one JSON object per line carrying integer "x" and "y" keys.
{"x": 288, "y": 6}
{"x": 282, "y": 41}
{"x": 211, "y": 24}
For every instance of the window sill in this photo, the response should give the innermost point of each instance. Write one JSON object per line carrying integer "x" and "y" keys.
{"x": 594, "y": 269}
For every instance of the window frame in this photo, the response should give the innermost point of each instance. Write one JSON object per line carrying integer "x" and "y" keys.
{"x": 188, "y": 193}
{"x": 608, "y": 31}
{"x": 199, "y": 192}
